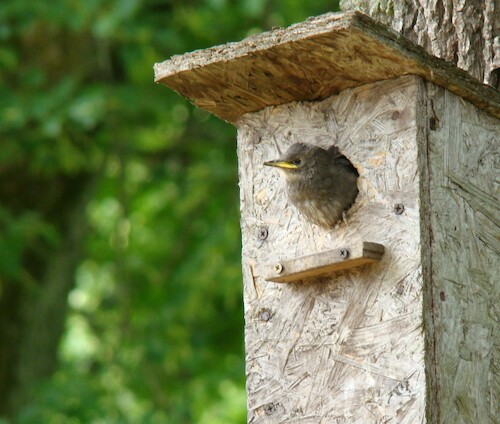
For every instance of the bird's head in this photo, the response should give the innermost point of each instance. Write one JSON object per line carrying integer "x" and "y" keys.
{"x": 297, "y": 162}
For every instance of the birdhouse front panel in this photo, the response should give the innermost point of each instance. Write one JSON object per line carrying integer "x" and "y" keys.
{"x": 346, "y": 346}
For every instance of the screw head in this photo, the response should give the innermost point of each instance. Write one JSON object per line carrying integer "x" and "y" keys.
{"x": 278, "y": 268}
{"x": 263, "y": 233}
{"x": 402, "y": 388}
{"x": 265, "y": 315}
{"x": 399, "y": 208}
{"x": 269, "y": 408}
{"x": 344, "y": 253}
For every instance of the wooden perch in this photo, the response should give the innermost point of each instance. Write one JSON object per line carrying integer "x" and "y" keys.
{"x": 309, "y": 61}
{"x": 323, "y": 263}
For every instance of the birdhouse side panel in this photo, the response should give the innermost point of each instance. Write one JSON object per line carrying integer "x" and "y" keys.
{"x": 463, "y": 160}
{"x": 347, "y": 347}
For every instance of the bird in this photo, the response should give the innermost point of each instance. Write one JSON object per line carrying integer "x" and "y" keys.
{"x": 320, "y": 183}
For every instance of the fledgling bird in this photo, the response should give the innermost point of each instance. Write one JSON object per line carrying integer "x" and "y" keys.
{"x": 321, "y": 184}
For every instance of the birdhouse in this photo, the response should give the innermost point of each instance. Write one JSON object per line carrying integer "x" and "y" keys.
{"x": 392, "y": 314}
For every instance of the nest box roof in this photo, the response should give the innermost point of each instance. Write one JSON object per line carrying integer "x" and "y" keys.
{"x": 310, "y": 60}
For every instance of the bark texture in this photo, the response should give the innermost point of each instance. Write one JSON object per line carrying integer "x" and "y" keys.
{"x": 465, "y": 32}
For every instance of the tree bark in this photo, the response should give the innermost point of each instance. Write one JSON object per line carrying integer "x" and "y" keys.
{"x": 465, "y": 32}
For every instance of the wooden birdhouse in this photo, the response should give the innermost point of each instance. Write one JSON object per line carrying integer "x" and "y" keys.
{"x": 391, "y": 316}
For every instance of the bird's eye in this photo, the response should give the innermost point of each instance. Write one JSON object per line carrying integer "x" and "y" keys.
{"x": 297, "y": 161}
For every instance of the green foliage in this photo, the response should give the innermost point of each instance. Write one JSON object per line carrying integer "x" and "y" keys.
{"x": 154, "y": 332}
{"x": 16, "y": 233}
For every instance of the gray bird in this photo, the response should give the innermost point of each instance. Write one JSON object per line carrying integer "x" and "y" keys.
{"x": 321, "y": 184}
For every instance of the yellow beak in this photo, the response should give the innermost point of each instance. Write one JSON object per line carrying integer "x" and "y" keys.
{"x": 281, "y": 164}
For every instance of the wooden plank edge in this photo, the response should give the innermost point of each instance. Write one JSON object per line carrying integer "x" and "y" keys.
{"x": 251, "y": 45}
{"x": 427, "y": 66}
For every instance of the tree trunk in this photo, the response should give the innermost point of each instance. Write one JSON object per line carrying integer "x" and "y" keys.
{"x": 33, "y": 311}
{"x": 33, "y": 299}
{"x": 465, "y": 32}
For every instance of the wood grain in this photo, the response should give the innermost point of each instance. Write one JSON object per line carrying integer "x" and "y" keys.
{"x": 414, "y": 337}
{"x": 461, "y": 264}
{"x": 311, "y": 60}
{"x": 323, "y": 263}
{"x": 346, "y": 348}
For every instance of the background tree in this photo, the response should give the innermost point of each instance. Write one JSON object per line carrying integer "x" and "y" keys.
{"x": 465, "y": 32}
{"x": 120, "y": 286}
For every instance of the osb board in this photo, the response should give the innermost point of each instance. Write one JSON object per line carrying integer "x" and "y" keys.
{"x": 463, "y": 248}
{"x": 323, "y": 263}
{"x": 309, "y": 61}
{"x": 346, "y": 348}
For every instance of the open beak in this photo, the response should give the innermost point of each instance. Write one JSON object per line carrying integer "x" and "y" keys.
{"x": 281, "y": 164}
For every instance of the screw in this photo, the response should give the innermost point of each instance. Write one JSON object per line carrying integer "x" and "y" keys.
{"x": 399, "y": 208}
{"x": 265, "y": 314}
{"x": 402, "y": 388}
{"x": 344, "y": 253}
{"x": 263, "y": 233}
{"x": 269, "y": 408}
{"x": 256, "y": 138}
{"x": 278, "y": 268}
